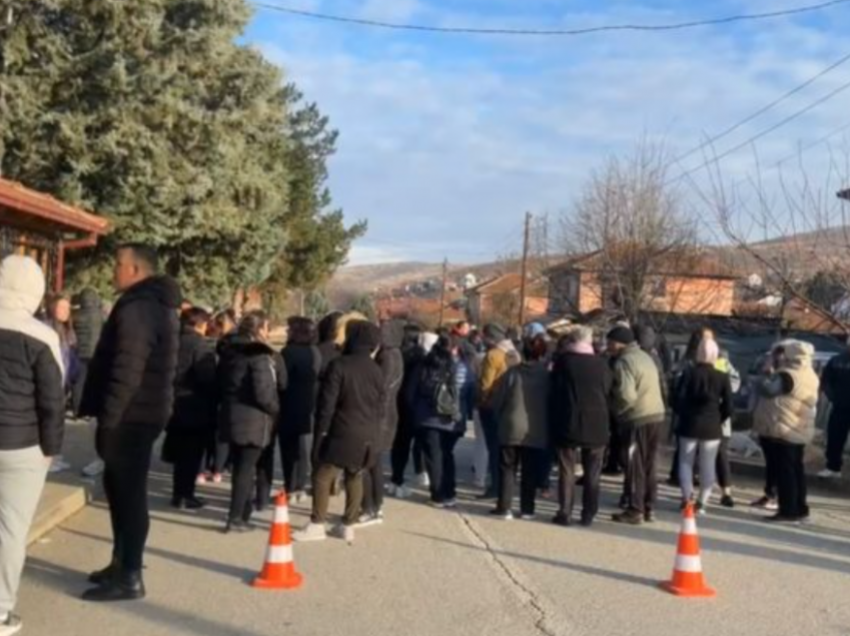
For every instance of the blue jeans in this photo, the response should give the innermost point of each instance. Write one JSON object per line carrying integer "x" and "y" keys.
{"x": 490, "y": 425}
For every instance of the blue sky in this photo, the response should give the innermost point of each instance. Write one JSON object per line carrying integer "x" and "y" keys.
{"x": 447, "y": 140}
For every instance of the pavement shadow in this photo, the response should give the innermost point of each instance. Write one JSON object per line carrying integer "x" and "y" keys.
{"x": 243, "y": 574}
{"x": 622, "y": 577}
{"x": 70, "y": 583}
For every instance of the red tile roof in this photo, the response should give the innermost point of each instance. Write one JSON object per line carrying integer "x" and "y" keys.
{"x": 21, "y": 199}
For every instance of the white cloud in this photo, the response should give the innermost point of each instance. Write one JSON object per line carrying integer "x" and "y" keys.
{"x": 445, "y": 142}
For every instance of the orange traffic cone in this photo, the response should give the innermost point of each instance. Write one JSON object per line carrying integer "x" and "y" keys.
{"x": 279, "y": 570}
{"x": 687, "y": 572}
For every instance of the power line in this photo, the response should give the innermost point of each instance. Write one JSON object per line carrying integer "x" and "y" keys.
{"x": 763, "y": 110}
{"x": 750, "y": 17}
{"x": 763, "y": 133}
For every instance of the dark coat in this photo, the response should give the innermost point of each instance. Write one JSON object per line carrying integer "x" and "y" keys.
{"x": 88, "y": 322}
{"x": 391, "y": 361}
{"x": 298, "y": 401}
{"x": 130, "y": 380}
{"x": 703, "y": 401}
{"x": 328, "y": 352}
{"x": 32, "y": 397}
{"x": 439, "y": 367}
{"x": 580, "y": 399}
{"x": 350, "y": 409}
{"x": 249, "y": 385}
{"x": 521, "y": 404}
{"x": 835, "y": 382}
{"x": 196, "y": 388}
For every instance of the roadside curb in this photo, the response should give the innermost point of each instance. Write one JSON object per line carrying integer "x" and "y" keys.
{"x": 59, "y": 502}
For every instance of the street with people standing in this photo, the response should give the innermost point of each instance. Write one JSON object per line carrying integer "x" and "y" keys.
{"x": 181, "y": 531}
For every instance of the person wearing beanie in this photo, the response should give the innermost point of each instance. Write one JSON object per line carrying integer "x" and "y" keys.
{"x": 702, "y": 404}
{"x": 639, "y": 412}
{"x": 348, "y": 429}
{"x": 32, "y": 418}
{"x": 500, "y": 357}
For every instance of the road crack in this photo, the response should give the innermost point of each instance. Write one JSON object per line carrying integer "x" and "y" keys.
{"x": 528, "y": 596}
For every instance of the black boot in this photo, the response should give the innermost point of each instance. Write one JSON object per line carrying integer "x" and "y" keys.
{"x": 102, "y": 576}
{"x": 122, "y": 586}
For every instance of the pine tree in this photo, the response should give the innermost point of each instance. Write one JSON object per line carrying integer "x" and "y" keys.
{"x": 149, "y": 113}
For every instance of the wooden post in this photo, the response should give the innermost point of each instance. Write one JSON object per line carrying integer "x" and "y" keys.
{"x": 523, "y": 287}
{"x": 443, "y": 291}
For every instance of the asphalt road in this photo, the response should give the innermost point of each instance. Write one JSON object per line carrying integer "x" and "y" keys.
{"x": 430, "y": 572}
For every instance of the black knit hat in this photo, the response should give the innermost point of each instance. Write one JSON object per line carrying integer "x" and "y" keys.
{"x": 494, "y": 332}
{"x": 621, "y": 335}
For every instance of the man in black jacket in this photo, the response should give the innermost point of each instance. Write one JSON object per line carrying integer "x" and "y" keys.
{"x": 836, "y": 385}
{"x": 348, "y": 428}
{"x": 130, "y": 390}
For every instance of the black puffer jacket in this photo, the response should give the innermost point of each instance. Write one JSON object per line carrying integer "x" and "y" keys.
{"x": 580, "y": 399}
{"x": 298, "y": 401}
{"x": 32, "y": 397}
{"x": 249, "y": 385}
{"x": 88, "y": 322}
{"x": 130, "y": 381}
{"x": 351, "y": 403}
{"x": 391, "y": 361}
{"x": 703, "y": 403}
{"x": 195, "y": 394}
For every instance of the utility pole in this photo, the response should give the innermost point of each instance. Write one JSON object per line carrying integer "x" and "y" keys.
{"x": 443, "y": 291}
{"x": 523, "y": 287}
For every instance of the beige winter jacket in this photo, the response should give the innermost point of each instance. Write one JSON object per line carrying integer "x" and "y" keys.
{"x": 784, "y": 415}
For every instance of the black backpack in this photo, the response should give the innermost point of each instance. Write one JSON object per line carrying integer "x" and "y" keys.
{"x": 438, "y": 386}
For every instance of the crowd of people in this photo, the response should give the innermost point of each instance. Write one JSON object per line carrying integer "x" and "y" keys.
{"x": 344, "y": 397}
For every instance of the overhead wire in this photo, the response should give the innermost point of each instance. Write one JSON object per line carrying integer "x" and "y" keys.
{"x": 677, "y": 26}
{"x": 763, "y": 110}
{"x": 764, "y": 133}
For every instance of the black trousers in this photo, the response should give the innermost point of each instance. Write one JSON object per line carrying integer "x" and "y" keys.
{"x": 188, "y": 451}
{"x": 771, "y": 478}
{"x": 265, "y": 477}
{"x": 79, "y": 385}
{"x": 373, "y": 486}
{"x": 617, "y": 457}
{"x": 724, "y": 469}
{"x": 490, "y": 426}
{"x": 126, "y": 454}
{"x": 295, "y": 451}
{"x": 791, "y": 479}
{"x": 245, "y": 461}
{"x": 641, "y": 486}
{"x": 531, "y": 462}
{"x": 591, "y": 461}
{"x": 439, "y": 450}
{"x": 405, "y": 439}
{"x": 837, "y": 432}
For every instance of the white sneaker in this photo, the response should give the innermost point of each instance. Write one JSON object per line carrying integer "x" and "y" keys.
{"x": 58, "y": 465}
{"x": 344, "y": 532}
{"x": 311, "y": 532}
{"x": 366, "y": 520}
{"x": 402, "y": 492}
{"x": 424, "y": 480}
{"x": 826, "y": 473}
{"x": 93, "y": 469}
{"x": 12, "y": 625}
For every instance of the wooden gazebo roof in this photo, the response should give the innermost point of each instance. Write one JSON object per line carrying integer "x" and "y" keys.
{"x": 34, "y": 211}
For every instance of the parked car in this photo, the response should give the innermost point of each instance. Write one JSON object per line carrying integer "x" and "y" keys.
{"x": 745, "y": 399}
